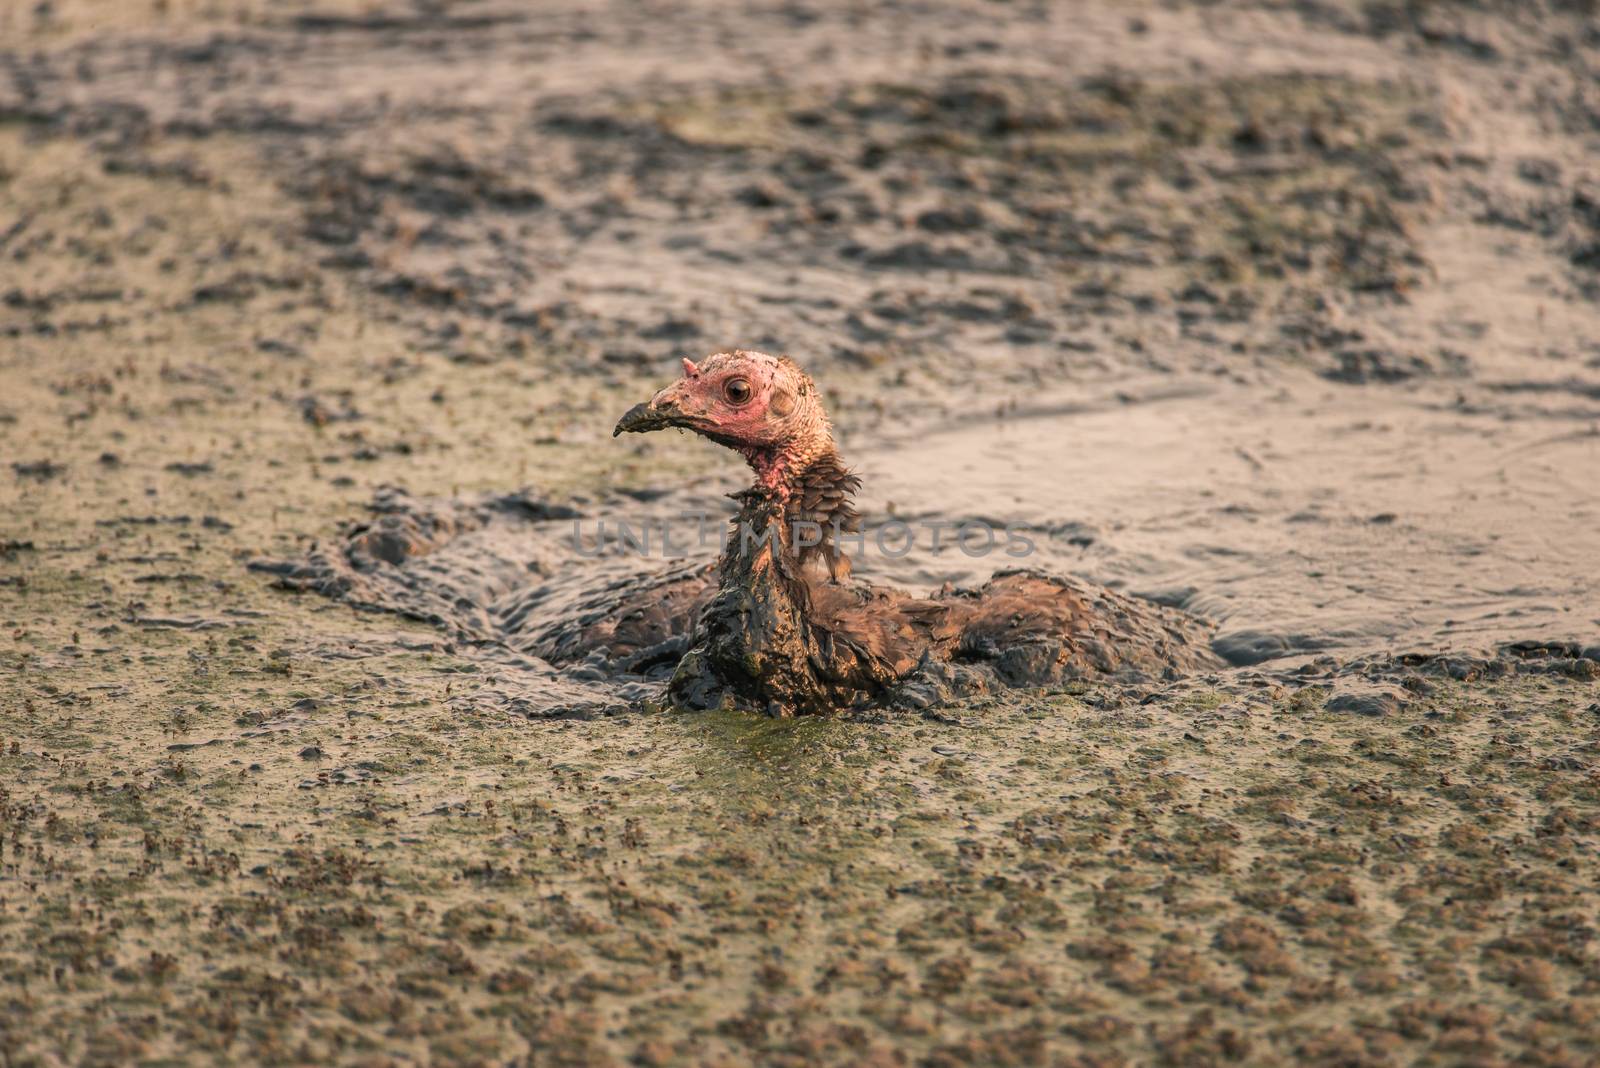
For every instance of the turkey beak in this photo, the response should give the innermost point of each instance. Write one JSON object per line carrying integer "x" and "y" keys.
{"x": 656, "y": 414}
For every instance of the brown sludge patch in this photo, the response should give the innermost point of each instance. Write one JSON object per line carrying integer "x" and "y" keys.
{"x": 222, "y": 245}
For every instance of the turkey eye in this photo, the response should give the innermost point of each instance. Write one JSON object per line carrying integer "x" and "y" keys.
{"x": 737, "y": 390}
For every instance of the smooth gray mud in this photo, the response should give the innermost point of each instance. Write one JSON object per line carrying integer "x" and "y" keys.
{"x": 1281, "y": 313}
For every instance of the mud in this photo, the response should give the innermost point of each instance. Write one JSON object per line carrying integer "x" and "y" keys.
{"x": 1282, "y": 314}
{"x": 599, "y": 624}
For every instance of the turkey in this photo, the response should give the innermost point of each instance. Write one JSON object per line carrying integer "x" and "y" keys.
{"x": 786, "y": 630}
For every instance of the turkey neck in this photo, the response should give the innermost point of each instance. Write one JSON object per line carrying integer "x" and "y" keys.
{"x": 781, "y": 470}
{"x": 807, "y": 439}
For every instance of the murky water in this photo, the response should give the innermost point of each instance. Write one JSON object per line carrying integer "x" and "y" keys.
{"x": 1300, "y": 518}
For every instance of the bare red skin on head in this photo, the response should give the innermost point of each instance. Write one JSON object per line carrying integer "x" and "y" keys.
{"x": 700, "y": 394}
{"x": 765, "y": 436}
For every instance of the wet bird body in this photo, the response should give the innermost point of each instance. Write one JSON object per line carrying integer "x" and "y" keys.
{"x": 785, "y": 631}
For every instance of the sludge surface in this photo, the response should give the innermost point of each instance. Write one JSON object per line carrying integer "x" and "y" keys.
{"x": 262, "y": 259}
{"x": 506, "y": 577}
{"x": 577, "y": 621}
